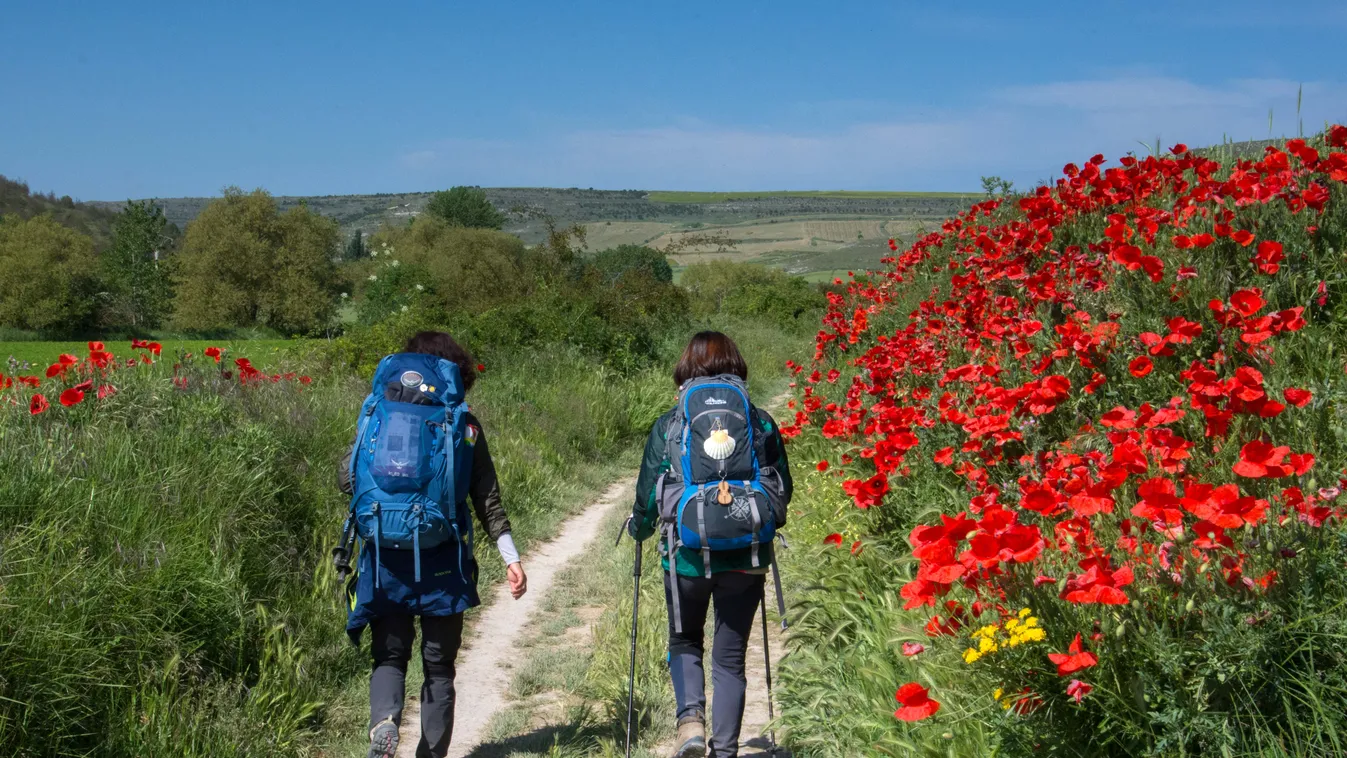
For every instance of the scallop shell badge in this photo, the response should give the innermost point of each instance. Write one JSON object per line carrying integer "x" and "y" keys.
{"x": 719, "y": 445}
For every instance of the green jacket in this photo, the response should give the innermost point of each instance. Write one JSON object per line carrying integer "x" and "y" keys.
{"x": 645, "y": 512}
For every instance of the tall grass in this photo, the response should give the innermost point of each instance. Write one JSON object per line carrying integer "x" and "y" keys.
{"x": 164, "y": 578}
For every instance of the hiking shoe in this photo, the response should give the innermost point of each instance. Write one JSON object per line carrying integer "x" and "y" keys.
{"x": 691, "y": 738}
{"x": 383, "y": 740}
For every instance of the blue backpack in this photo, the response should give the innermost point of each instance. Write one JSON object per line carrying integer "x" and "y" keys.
{"x": 716, "y": 495}
{"x": 411, "y": 467}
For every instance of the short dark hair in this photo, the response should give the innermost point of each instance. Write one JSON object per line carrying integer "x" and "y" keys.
{"x": 443, "y": 346}
{"x": 710, "y": 354}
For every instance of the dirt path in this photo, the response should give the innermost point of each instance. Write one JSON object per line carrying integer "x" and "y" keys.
{"x": 483, "y": 671}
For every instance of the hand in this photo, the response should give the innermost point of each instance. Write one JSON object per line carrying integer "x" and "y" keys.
{"x": 519, "y": 583}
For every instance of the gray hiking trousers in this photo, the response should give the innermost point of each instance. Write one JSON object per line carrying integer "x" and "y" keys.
{"x": 735, "y": 595}
{"x": 391, "y": 644}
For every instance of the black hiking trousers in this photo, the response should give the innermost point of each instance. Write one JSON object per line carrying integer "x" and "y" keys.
{"x": 735, "y": 595}
{"x": 391, "y": 644}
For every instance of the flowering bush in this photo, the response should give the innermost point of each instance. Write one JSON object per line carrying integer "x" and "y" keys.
{"x": 1124, "y": 395}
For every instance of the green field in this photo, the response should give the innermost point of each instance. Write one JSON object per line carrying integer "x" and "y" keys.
{"x": 40, "y": 354}
{"x": 720, "y": 197}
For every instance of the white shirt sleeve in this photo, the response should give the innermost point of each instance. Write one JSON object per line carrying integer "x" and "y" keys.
{"x": 508, "y": 552}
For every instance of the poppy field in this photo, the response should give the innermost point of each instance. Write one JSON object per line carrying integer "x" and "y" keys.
{"x": 1079, "y": 470}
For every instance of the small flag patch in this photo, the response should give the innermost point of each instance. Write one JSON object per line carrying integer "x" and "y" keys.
{"x": 470, "y": 436}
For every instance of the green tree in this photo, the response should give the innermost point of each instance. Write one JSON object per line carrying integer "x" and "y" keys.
{"x": 46, "y": 276}
{"x": 615, "y": 261}
{"x": 465, "y": 206}
{"x": 355, "y": 248}
{"x": 245, "y": 264}
{"x": 138, "y": 290}
{"x": 463, "y": 269}
{"x": 995, "y": 186}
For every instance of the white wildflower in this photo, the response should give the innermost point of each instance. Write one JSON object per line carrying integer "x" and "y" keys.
{"x": 419, "y": 288}
{"x": 374, "y": 277}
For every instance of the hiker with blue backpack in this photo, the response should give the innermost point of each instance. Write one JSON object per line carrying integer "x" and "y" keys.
{"x": 419, "y": 455}
{"x": 714, "y": 484}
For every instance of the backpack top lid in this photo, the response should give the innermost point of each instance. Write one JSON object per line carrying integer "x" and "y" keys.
{"x": 431, "y": 374}
{"x": 718, "y": 378}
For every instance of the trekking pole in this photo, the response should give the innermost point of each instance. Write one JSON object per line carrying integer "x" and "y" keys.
{"x": 635, "y": 616}
{"x": 341, "y": 554}
{"x": 767, "y": 655}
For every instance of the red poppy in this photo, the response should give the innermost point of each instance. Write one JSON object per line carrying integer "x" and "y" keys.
{"x": 38, "y": 404}
{"x": 1244, "y": 237}
{"x": 1248, "y": 301}
{"x": 54, "y": 369}
{"x": 868, "y": 492}
{"x": 833, "y": 539}
{"x": 1298, "y": 397}
{"x": 95, "y": 347}
{"x": 1075, "y": 659}
{"x": 106, "y": 391}
{"x": 31, "y": 381}
{"x": 945, "y": 456}
{"x": 1140, "y": 366}
{"x": 480, "y": 368}
{"x": 1077, "y": 690}
{"x": 67, "y": 359}
{"x": 1258, "y": 460}
{"x": 1269, "y": 257}
{"x": 916, "y": 701}
{"x": 913, "y": 648}
{"x": 213, "y": 352}
{"x": 821, "y": 466}
{"x": 72, "y": 397}
{"x": 306, "y": 380}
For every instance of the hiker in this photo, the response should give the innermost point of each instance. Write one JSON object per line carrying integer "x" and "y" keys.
{"x": 419, "y": 454}
{"x": 717, "y": 516}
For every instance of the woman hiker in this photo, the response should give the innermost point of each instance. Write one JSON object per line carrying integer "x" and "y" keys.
{"x": 713, "y": 477}
{"x": 418, "y": 456}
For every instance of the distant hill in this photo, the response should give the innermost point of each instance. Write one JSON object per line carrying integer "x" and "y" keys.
{"x": 93, "y": 219}
{"x": 566, "y": 206}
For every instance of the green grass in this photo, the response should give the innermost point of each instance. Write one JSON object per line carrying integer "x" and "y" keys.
{"x": 720, "y": 197}
{"x": 39, "y": 354}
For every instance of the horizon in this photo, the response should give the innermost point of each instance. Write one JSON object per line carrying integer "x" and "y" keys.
{"x": 180, "y": 101}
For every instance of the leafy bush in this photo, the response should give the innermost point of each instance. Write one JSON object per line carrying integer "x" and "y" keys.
{"x": 752, "y": 290}
{"x": 1110, "y": 415}
{"x": 616, "y": 261}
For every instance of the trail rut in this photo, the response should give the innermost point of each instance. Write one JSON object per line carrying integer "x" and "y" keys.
{"x": 484, "y": 670}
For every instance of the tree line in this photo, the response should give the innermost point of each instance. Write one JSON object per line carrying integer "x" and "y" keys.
{"x": 245, "y": 264}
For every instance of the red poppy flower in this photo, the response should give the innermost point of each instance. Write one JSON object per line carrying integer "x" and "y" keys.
{"x": 833, "y": 539}
{"x": 38, "y": 404}
{"x": 95, "y": 347}
{"x": 1298, "y": 397}
{"x": 913, "y": 648}
{"x": 1077, "y": 690}
{"x": 945, "y": 456}
{"x": 213, "y": 352}
{"x": 480, "y": 368}
{"x": 1248, "y": 301}
{"x": 106, "y": 391}
{"x": 821, "y": 466}
{"x": 72, "y": 397}
{"x": 67, "y": 359}
{"x": 1244, "y": 237}
{"x": 1140, "y": 366}
{"x": 1075, "y": 659}
{"x": 916, "y": 701}
{"x": 306, "y": 380}
{"x": 31, "y": 381}
{"x": 54, "y": 369}
{"x": 1258, "y": 460}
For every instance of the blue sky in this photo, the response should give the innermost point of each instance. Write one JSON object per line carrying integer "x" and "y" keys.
{"x": 108, "y": 101}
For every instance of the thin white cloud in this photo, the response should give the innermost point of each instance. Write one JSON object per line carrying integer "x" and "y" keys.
{"x": 1025, "y": 132}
